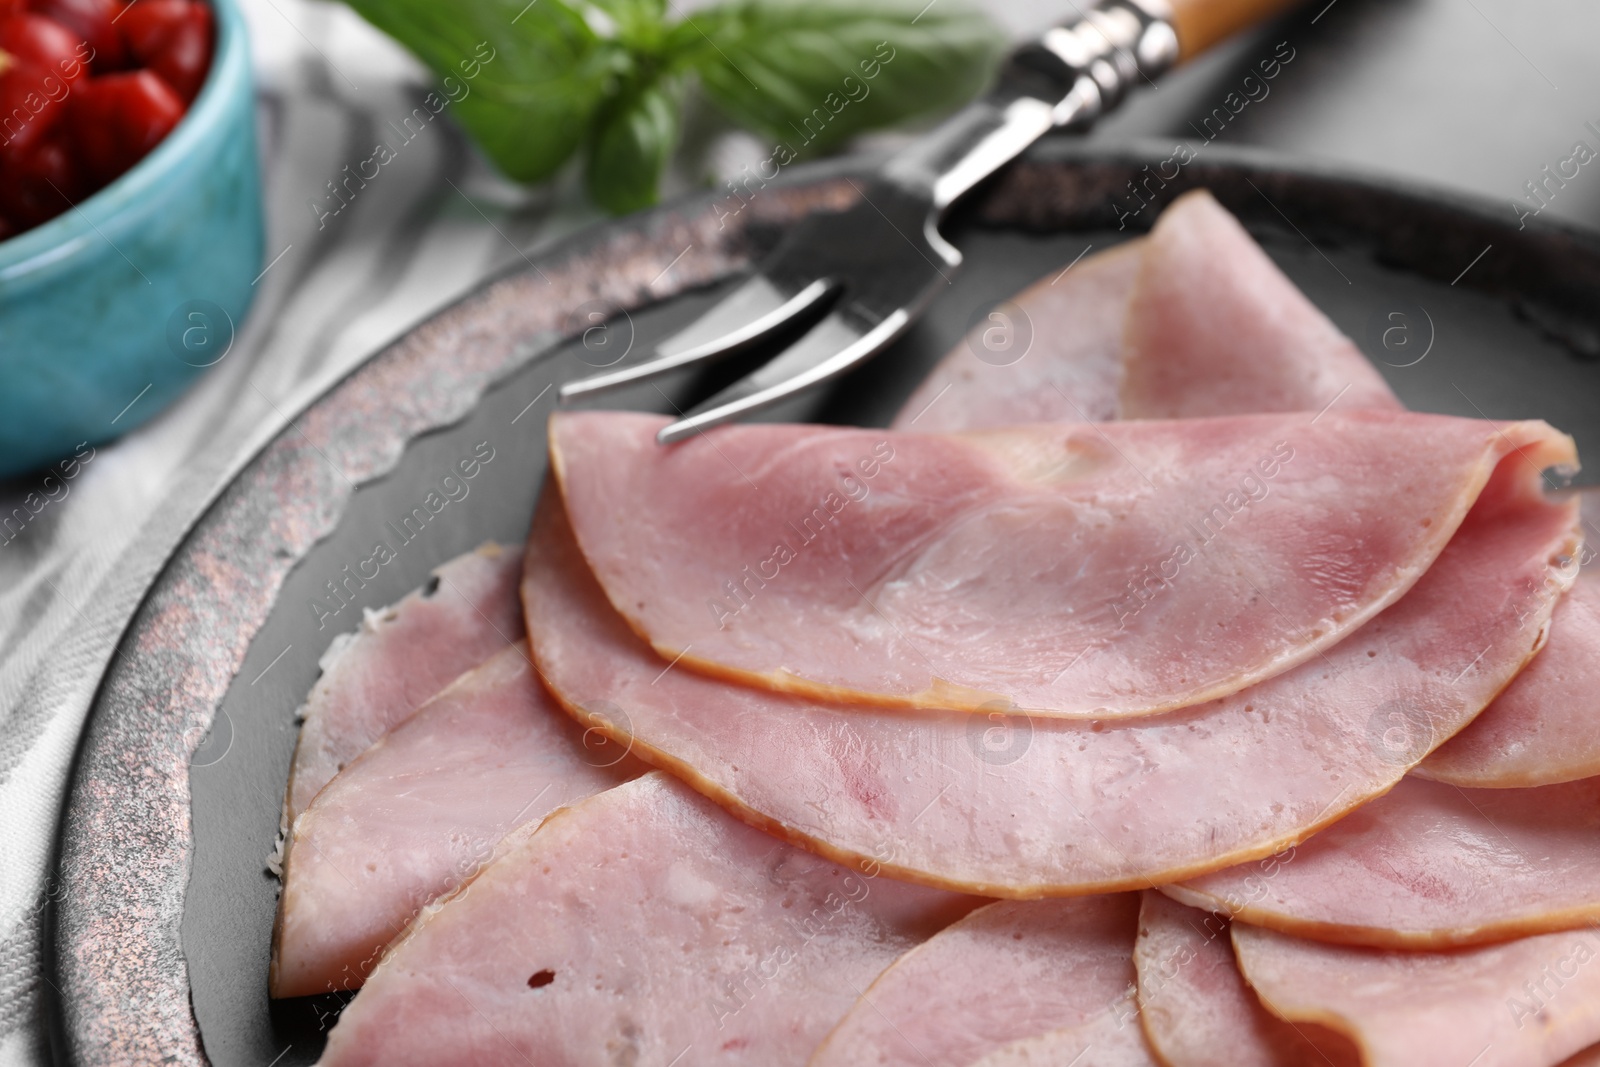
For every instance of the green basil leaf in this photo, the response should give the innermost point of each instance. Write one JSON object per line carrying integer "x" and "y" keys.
{"x": 813, "y": 73}
{"x": 631, "y": 146}
{"x": 639, "y": 23}
{"x": 525, "y": 79}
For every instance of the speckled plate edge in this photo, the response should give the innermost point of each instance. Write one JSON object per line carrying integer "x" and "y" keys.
{"x": 118, "y": 990}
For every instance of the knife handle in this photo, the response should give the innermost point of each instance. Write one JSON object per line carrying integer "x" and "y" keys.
{"x": 1203, "y": 23}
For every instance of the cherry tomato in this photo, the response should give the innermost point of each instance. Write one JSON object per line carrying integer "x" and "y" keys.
{"x": 32, "y": 103}
{"x": 186, "y": 59}
{"x": 116, "y": 118}
{"x": 145, "y": 24}
{"x": 40, "y": 184}
{"x": 43, "y": 42}
{"x": 96, "y": 22}
{"x": 73, "y": 117}
{"x": 172, "y": 38}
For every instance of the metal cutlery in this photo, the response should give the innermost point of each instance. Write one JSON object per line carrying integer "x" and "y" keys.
{"x": 870, "y": 270}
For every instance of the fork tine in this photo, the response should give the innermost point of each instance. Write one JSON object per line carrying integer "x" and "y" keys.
{"x": 834, "y": 345}
{"x": 745, "y": 316}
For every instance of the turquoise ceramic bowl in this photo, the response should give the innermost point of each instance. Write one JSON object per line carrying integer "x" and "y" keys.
{"x": 110, "y": 311}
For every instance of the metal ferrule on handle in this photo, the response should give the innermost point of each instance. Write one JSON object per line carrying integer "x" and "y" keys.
{"x": 1090, "y": 65}
{"x": 1069, "y": 76}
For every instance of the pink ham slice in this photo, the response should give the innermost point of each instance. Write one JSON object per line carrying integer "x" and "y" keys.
{"x": 1082, "y": 571}
{"x": 1198, "y": 297}
{"x": 1542, "y": 729}
{"x": 1071, "y": 372}
{"x": 1429, "y": 866}
{"x": 420, "y": 811}
{"x": 1539, "y": 732}
{"x": 1197, "y": 1010}
{"x": 1108, "y": 1041}
{"x": 1012, "y": 806}
{"x": 1526, "y": 1003}
{"x": 399, "y": 658}
{"x": 1010, "y": 971}
{"x": 640, "y": 926}
{"x": 1214, "y": 327}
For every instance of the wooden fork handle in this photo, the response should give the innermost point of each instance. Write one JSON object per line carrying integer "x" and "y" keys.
{"x": 1203, "y": 23}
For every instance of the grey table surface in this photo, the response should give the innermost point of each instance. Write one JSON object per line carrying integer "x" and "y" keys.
{"x": 1477, "y": 95}
{"x": 1473, "y": 95}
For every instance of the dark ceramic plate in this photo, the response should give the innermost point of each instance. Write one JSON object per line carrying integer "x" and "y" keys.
{"x": 159, "y": 938}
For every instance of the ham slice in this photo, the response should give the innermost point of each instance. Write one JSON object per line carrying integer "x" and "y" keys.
{"x": 1526, "y": 1003}
{"x": 1082, "y": 571}
{"x": 1204, "y": 321}
{"x": 1542, "y": 729}
{"x": 1071, "y": 372}
{"x": 1105, "y": 1042}
{"x": 640, "y": 926}
{"x": 1429, "y": 866}
{"x": 1197, "y": 1010}
{"x": 1214, "y": 327}
{"x": 400, "y": 657}
{"x": 1026, "y": 968}
{"x": 418, "y": 812}
{"x": 1006, "y": 805}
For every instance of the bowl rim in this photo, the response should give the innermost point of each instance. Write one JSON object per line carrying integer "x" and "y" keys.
{"x": 64, "y": 235}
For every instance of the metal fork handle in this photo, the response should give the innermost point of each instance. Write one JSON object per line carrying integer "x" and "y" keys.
{"x": 1069, "y": 76}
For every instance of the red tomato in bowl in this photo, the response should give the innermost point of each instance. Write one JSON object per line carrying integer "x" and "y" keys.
{"x": 32, "y": 103}
{"x": 116, "y": 119}
{"x": 87, "y": 89}
{"x": 40, "y": 184}
{"x": 96, "y": 22}
{"x": 172, "y": 38}
{"x": 44, "y": 43}
{"x": 146, "y": 24}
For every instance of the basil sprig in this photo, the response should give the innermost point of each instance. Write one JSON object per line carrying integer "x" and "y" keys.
{"x": 608, "y": 78}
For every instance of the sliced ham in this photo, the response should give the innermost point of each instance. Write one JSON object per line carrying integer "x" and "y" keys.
{"x": 1071, "y": 371}
{"x": 1197, "y": 1010}
{"x": 1526, "y": 1003}
{"x": 1204, "y": 321}
{"x": 418, "y": 812}
{"x": 1086, "y": 571}
{"x": 1009, "y": 971}
{"x": 640, "y": 926}
{"x": 1215, "y": 328}
{"x": 1012, "y": 806}
{"x": 1107, "y": 1041}
{"x": 1539, "y": 732}
{"x": 1545, "y": 728}
{"x": 1205, "y": 341}
{"x": 399, "y": 658}
{"x": 1429, "y": 866}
